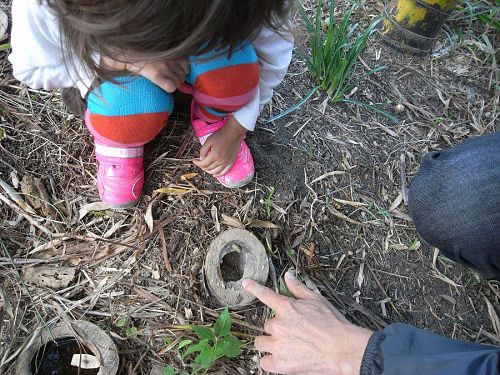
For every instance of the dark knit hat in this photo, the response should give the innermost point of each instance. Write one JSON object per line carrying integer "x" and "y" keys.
{"x": 454, "y": 201}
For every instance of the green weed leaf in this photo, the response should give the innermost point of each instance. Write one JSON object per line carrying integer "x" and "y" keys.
{"x": 206, "y": 357}
{"x": 122, "y": 322}
{"x": 167, "y": 340}
{"x": 183, "y": 343}
{"x": 203, "y": 332}
{"x": 228, "y": 346}
{"x": 201, "y": 346}
{"x": 130, "y": 331}
{"x": 222, "y": 326}
{"x": 169, "y": 370}
{"x": 224, "y": 345}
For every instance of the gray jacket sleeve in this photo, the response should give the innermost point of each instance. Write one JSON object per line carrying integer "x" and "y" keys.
{"x": 403, "y": 349}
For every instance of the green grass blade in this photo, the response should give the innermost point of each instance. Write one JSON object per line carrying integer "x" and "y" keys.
{"x": 296, "y": 106}
{"x": 373, "y": 108}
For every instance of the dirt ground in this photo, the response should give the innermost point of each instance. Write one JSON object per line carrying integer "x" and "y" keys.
{"x": 329, "y": 198}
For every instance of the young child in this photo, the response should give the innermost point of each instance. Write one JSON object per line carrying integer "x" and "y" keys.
{"x": 228, "y": 54}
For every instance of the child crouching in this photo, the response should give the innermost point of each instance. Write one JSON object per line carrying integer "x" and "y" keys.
{"x": 229, "y": 55}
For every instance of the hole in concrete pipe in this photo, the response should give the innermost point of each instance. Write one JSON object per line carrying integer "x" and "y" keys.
{"x": 54, "y": 358}
{"x": 232, "y": 266}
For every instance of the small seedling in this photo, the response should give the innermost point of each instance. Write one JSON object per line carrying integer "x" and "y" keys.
{"x": 268, "y": 203}
{"x": 378, "y": 214}
{"x": 124, "y": 323}
{"x": 130, "y": 331}
{"x": 384, "y": 213}
{"x": 214, "y": 343}
{"x": 415, "y": 245}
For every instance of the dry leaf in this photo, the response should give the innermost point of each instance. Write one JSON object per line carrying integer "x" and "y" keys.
{"x": 298, "y": 240}
{"x": 6, "y": 303}
{"x": 173, "y": 191}
{"x": 350, "y": 203}
{"x": 399, "y": 246}
{"x": 113, "y": 229}
{"x": 396, "y": 202}
{"x": 15, "y": 179}
{"x": 148, "y": 217}
{"x": 340, "y": 215}
{"x": 329, "y": 174}
{"x": 495, "y": 321}
{"x": 14, "y": 195}
{"x": 400, "y": 215}
{"x": 309, "y": 250}
{"x": 189, "y": 176}
{"x": 49, "y": 276}
{"x": 232, "y": 222}
{"x": 263, "y": 224}
{"x": 215, "y": 217}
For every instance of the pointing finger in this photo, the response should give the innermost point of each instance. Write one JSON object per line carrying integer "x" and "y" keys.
{"x": 264, "y": 294}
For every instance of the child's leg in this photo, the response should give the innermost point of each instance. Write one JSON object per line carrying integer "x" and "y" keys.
{"x": 222, "y": 85}
{"x": 123, "y": 117}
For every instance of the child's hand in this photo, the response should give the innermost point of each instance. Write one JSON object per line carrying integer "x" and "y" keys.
{"x": 219, "y": 152}
{"x": 169, "y": 75}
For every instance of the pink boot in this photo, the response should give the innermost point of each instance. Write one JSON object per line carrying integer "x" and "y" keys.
{"x": 120, "y": 177}
{"x": 242, "y": 171}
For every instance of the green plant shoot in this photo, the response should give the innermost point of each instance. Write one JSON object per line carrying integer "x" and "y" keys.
{"x": 214, "y": 343}
{"x": 334, "y": 53}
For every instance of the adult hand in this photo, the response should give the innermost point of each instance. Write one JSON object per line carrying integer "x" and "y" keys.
{"x": 169, "y": 75}
{"x": 218, "y": 153}
{"x": 307, "y": 335}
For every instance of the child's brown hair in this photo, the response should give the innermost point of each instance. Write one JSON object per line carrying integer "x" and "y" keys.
{"x": 160, "y": 29}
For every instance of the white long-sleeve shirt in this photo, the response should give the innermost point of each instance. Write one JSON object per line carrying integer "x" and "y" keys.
{"x": 38, "y": 58}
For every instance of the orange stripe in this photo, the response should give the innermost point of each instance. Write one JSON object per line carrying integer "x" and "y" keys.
{"x": 229, "y": 81}
{"x": 129, "y": 129}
